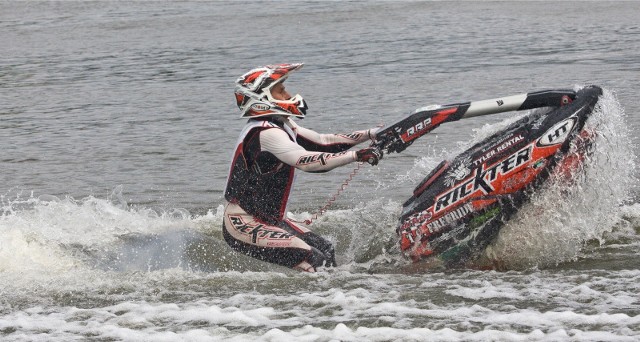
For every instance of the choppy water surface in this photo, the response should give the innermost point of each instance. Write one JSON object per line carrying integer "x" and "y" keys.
{"x": 117, "y": 123}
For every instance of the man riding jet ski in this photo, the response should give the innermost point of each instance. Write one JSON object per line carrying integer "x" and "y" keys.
{"x": 271, "y": 146}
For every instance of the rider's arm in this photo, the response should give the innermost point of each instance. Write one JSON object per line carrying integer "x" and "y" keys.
{"x": 314, "y": 141}
{"x": 277, "y": 142}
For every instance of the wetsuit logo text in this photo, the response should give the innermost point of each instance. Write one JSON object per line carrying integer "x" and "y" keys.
{"x": 259, "y": 231}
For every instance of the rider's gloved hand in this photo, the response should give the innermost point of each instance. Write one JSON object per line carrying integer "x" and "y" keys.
{"x": 370, "y": 155}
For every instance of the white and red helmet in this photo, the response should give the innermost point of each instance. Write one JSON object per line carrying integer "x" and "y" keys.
{"x": 253, "y": 92}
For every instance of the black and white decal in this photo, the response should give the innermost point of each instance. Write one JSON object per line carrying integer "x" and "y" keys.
{"x": 538, "y": 123}
{"x": 458, "y": 173}
{"x": 558, "y": 133}
{"x": 502, "y": 146}
{"x": 258, "y": 231}
{"x": 437, "y": 225}
{"x": 260, "y": 107}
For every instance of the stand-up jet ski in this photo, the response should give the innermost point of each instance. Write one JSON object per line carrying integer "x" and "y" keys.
{"x": 459, "y": 208}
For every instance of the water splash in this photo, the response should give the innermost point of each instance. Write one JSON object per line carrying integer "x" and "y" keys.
{"x": 560, "y": 219}
{"x": 49, "y": 234}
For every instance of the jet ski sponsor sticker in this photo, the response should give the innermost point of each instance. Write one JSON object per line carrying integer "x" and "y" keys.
{"x": 558, "y": 133}
{"x": 413, "y": 131}
{"x": 499, "y": 148}
{"x": 458, "y": 172}
{"x": 416, "y": 219}
{"x": 482, "y": 179}
{"x": 439, "y": 224}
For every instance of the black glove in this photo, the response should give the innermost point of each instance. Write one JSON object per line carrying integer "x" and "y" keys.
{"x": 370, "y": 155}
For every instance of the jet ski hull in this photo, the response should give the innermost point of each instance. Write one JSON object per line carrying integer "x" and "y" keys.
{"x": 459, "y": 208}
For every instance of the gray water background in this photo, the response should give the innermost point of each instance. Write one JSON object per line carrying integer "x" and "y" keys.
{"x": 100, "y": 94}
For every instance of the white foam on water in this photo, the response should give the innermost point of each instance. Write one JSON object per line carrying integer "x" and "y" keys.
{"x": 472, "y": 306}
{"x": 338, "y": 304}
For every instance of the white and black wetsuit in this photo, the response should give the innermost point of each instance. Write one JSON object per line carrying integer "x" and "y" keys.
{"x": 259, "y": 183}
